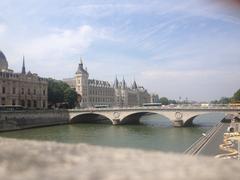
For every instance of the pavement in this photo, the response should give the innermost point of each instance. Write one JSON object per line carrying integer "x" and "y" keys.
{"x": 35, "y": 160}
{"x": 211, "y": 148}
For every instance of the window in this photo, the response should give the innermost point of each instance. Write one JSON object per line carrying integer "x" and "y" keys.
{"x": 44, "y": 92}
{"x": 34, "y": 91}
{"x": 14, "y": 90}
{"x": 13, "y": 102}
{"x": 29, "y": 91}
{"x": 23, "y": 103}
{"x": 3, "y": 90}
{"x": 35, "y": 103}
{"x": 44, "y": 104}
{"x": 29, "y": 103}
{"x": 22, "y": 90}
{"x": 3, "y": 101}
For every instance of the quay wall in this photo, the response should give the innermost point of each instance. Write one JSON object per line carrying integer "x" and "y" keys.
{"x": 17, "y": 120}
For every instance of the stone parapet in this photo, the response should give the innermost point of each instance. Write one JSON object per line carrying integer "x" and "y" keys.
{"x": 49, "y": 160}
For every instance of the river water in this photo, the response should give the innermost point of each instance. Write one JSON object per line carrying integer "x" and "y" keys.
{"x": 154, "y": 133}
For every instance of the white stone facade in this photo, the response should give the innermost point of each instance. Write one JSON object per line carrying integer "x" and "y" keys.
{"x": 102, "y": 93}
{"x": 25, "y": 89}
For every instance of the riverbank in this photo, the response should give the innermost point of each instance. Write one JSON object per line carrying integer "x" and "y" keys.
{"x": 21, "y": 159}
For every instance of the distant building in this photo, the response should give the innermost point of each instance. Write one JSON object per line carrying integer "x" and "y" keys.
{"x": 26, "y": 89}
{"x": 155, "y": 98}
{"x": 97, "y": 92}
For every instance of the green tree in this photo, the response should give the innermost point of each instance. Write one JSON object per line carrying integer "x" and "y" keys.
{"x": 172, "y": 102}
{"x": 224, "y": 100}
{"x": 70, "y": 96}
{"x": 236, "y": 96}
{"x": 59, "y": 92}
{"x": 164, "y": 101}
{"x": 55, "y": 93}
{"x": 214, "y": 102}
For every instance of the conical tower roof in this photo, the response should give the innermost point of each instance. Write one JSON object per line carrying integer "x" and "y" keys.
{"x": 134, "y": 86}
{"x": 124, "y": 85}
{"x": 116, "y": 83}
{"x": 80, "y": 69}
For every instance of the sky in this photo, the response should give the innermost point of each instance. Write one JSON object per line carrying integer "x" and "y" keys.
{"x": 188, "y": 48}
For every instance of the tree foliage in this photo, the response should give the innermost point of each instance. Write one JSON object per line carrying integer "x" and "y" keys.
{"x": 59, "y": 92}
{"x": 226, "y": 100}
{"x": 70, "y": 96}
{"x": 172, "y": 101}
{"x": 223, "y": 100}
{"x": 236, "y": 96}
{"x": 164, "y": 101}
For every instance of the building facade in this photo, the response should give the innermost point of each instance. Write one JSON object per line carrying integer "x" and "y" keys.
{"x": 97, "y": 92}
{"x": 155, "y": 98}
{"x": 25, "y": 89}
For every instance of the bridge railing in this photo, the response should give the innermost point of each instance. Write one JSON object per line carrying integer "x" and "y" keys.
{"x": 159, "y": 108}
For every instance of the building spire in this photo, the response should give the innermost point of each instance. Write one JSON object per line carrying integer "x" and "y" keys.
{"x": 81, "y": 62}
{"x": 116, "y": 85}
{"x": 124, "y": 83}
{"x": 23, "y": 66}
{"x": 134, "y": 85}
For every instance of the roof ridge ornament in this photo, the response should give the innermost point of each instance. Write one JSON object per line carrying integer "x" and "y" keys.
{"x": 81, "y": 61}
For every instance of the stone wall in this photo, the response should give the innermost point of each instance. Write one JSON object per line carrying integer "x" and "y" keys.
{"x": 28, "y": 119}
{"x": 28, "y": 160}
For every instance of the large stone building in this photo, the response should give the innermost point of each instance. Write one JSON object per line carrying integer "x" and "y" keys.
{"x": 96, "y": 92}
{"x": 25, "y": 89}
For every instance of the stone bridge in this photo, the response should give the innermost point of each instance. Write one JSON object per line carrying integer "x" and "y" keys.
{"x": 178, "y": 116}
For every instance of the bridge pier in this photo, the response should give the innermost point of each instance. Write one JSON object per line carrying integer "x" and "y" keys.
{"x": 116, "y": 121}
{"x": 178, "y": 123}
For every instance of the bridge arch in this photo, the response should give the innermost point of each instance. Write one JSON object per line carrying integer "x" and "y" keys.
{"x": 90, "y": 118}
{"x": 134, "y": 117}
{"x": 189, "y": 121}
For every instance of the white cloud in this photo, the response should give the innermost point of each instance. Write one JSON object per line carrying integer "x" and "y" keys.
{"x": 100, "y": 10}
{"x": 3, "y": 28}
{"x": 56, "y": 54}
{"x": 58, "y": 44}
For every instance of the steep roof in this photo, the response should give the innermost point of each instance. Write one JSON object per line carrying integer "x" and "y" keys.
{"x": 80, "y": 69}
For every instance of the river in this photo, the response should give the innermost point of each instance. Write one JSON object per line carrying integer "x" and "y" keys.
{"x": 154, "y": 133}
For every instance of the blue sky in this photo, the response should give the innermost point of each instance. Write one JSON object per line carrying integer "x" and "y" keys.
{"x": 187, "y": 48}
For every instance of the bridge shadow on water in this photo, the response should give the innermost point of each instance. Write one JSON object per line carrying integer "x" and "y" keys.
{"x": 155, "y": 120}
{"x": 91, "y": 119}
{"x": 144, "y": 119}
